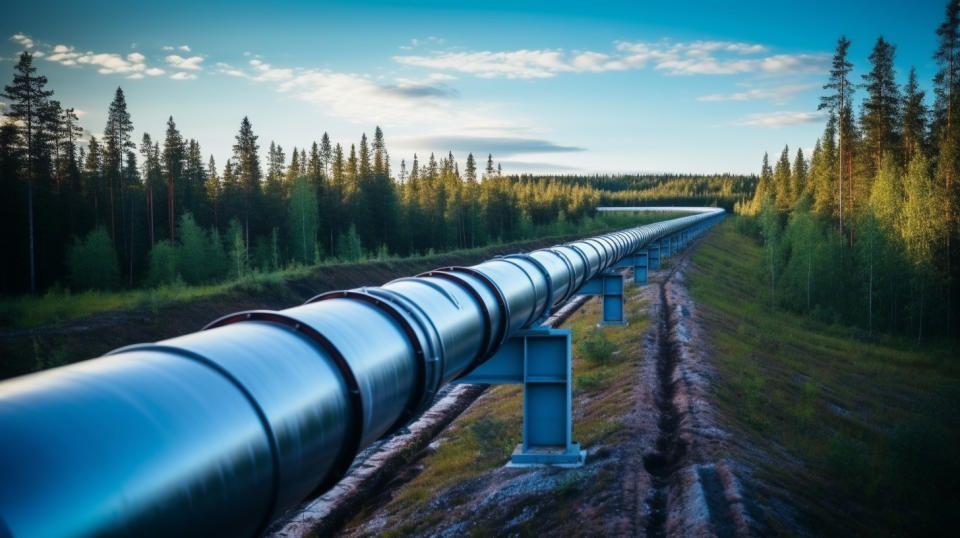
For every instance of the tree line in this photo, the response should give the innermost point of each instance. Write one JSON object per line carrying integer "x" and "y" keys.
{"x": 866, "y": 231}
{"x": 112, "y": 212}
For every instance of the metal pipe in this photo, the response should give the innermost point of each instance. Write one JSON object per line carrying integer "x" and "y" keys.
{"x": 219, "y": 431}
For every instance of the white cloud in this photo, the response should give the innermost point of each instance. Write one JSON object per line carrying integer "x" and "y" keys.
{"x": 267, "y": 73}
{"x": 780, "y": 93}
{"x": 168, "y": 47}
{"x": 184, "y": 48}
{"x": 181, "y": 75}
{"x": 134, "y": 64}
{"x": 363, "y": 99}
{"x": 779, "y": 119}
{"x": 179, "y": 62}
{"x": 110, "y": 63}
{"x": 698, "y": 57}
{"x": 22, "y": 39}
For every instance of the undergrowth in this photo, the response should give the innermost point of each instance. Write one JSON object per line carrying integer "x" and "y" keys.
{"x": 857, "y": 434}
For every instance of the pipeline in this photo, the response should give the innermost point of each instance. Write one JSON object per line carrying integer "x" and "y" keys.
{"x": 219, "y": 431}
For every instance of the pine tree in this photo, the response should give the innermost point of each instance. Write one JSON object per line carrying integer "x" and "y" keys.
{"x": 153, "y": 179}
{"x": 326, "y": 154}
{"x": 116, "y": 138}
{"x": 838, "y": 103}
{"x": 947, "y": 80}
{"x": 174, "y": 154}
{"x": 824, "y": 172}
{"x": 470, "y": 173}
{"x": 214, "y": 190}
{"x": 247, "y": 163}
{"x": 913, "y": 122}
{"x": 28, "y": 100}
{"x": 798, "y": 178}
{"x": 781, "y": 178}
{"x": 882, "y": 105}
{"x": 489, "y": 170}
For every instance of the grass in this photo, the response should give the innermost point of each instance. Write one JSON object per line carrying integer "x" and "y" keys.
{"x": 58, "y": 304}
{"x": 483, "y": 438}
{"x": 857, "y": 435}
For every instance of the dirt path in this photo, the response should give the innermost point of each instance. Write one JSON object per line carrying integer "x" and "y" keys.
{"x": 694, "y": 492}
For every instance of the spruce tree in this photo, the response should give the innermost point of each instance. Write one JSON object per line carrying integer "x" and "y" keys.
{"x": 247, "y": 163}
{"x": 28, "y": 100}
{"x": 116, "y": 138}
{"x": 882, "y": 104}
{"x": 913, "y": 122}
{"x": 838, "y": 103}
{"x": 174, "y": 154}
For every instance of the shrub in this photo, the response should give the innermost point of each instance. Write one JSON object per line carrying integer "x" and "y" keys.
{"x": 163, "y": 264}
{"x": 92, "y": 262}
{"x": 596, "y": 347}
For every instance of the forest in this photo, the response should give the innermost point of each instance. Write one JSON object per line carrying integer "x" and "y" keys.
{"x": 112, "y": 213}
{"x": 865, "y": 232}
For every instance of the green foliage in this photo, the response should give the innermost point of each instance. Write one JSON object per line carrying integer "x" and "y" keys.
{"x": 303, "y": 221}
{"x": 163, "y": 264}
{"x": 595, "y": 346}
{"x": 93, "y": 262}
{"x": 349, "y": 247}
{"x": 238, "y": 257}
{"x": 193, "y": 252}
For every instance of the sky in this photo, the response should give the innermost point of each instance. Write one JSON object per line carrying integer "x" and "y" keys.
{"x": 546, "y": 87}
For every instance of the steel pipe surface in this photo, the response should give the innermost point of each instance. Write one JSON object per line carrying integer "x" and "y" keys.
{"x": 219, "y": 431}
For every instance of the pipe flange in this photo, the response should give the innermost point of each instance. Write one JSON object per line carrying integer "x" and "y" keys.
{"x": 390, "y": 308}
{"x": 353, "y": 434}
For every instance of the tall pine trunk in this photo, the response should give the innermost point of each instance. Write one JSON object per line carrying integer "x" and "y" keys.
{"x": 33, "y": 274}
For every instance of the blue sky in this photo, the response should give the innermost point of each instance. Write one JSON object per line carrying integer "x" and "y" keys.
{"x": 546, "y": 87}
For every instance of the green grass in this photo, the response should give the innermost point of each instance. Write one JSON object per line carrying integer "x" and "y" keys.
{"x": 859, "y": 435}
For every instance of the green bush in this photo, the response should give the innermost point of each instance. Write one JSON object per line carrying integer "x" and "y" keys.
{"x": 163, "y": 264}
{"x": 92, "y": 262}
{"x": 596, "y": 347}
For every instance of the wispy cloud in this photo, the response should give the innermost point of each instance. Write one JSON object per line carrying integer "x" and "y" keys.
{"x": 779, "y": 119}
{"x": 693, "y": 58}
{"x": 779, "y": 93}
{"x": 362, "y": 98}
{"x": 499, "y": 145}
{"x": 133, "y": 64}
{"x": 417, "y": 42}
{"x": 184, "y": 48}
{"x": 22, "y": 39}
{"x": 179, "y": 62}
{"x": 182, "y": 75}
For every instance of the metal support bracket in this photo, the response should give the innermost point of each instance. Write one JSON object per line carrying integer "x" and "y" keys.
{"x": 653, "y": 256}
{"x": 637, "y": 261}
{"x": 609, "y": 286}
{"x": 539, "y": 359}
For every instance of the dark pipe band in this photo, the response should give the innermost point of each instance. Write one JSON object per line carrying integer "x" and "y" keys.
{"x": 353, "y": 434}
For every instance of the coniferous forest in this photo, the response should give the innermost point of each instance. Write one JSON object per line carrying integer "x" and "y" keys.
{"x": 865, "y": 231}
{"x": 116, "y": 212}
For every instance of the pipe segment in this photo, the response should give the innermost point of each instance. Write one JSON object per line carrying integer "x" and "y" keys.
{"x": 219, "y": 432}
